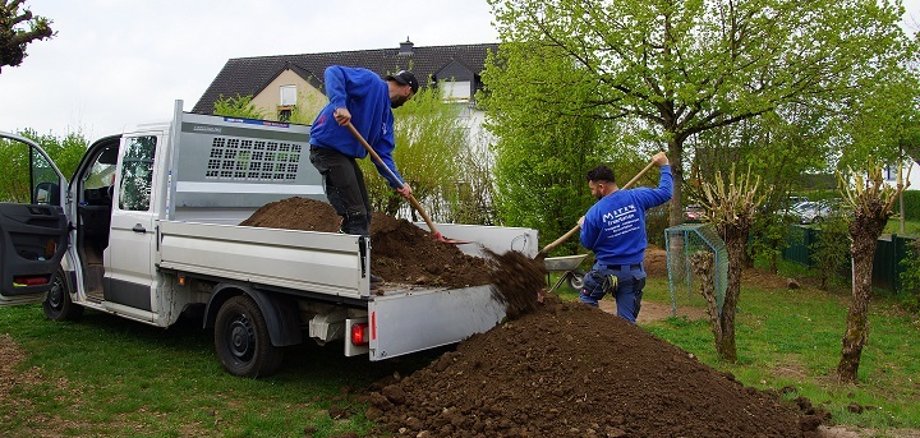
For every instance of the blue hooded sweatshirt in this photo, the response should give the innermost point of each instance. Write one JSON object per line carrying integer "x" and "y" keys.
{"x": 367, "y": 98}
{"x": 614, "y": 227}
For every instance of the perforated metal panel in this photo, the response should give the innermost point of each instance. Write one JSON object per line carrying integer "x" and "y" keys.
{"x": 240, "y": 159}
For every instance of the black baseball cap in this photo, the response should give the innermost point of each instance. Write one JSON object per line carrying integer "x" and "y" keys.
{"x": 404, "y": 77}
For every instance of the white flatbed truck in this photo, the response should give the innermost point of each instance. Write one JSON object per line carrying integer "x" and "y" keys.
{"x": 147, "y": 229}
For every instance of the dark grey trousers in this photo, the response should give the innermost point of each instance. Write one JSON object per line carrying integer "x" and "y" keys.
{"x": 344, "y": 185}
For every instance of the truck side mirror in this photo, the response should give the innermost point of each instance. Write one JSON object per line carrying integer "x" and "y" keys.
{"x": 47, "y": 193}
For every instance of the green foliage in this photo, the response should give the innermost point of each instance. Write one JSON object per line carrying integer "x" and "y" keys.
{"x": 18, "y": 27}
{"x": 239, "y": 106}
{"x": 66, "y": 152}
{"x": 911, "y": 205}
{"x": 429, "y": 139}
{"x": 769, "y": 236}
{"x": 541, "y": 157}
{"x": 830, "y": 252}
{"x": 910, "y": 279}
{"x": 670, "y": 70}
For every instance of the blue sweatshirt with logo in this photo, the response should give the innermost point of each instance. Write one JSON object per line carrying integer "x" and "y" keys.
{"x": 367, "y": 98}
{"x": 614, "y": 227}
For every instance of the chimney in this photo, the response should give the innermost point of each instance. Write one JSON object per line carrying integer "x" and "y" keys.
{"x": 405, "y": 48}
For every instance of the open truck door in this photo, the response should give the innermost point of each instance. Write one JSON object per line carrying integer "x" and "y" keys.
{"x": 33, "y": 222}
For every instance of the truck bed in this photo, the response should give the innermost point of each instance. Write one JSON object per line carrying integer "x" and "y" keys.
{"x": 325, "y": 263}
{"x": 403, "y": 319}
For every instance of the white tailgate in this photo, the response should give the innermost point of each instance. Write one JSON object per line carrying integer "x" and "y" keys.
{"x": 415, "y": 321}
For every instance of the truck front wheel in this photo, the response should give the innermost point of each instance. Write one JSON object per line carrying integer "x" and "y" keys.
{"x": 57, "y": 305}
{"x": 242, "y": 341}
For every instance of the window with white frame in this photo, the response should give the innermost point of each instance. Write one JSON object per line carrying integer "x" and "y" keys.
{"x": 455, "y": 90}
{"x": 288, "y": 95}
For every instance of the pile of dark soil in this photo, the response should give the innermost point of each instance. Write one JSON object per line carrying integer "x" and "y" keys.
{"x": 404, "y": 253}
{"x": 400, "y": 251}
{"x": 569, "y": 370}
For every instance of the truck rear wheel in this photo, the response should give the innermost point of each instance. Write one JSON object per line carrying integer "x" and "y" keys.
{"x": 57, "y": 305}
{"x": 242, "y": 341}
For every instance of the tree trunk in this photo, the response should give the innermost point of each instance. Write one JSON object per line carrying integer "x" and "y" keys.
{"x": 734, "y": 242}
{"x": 704, "y": 270}
{"x": 863, "y": 251}
{"x": 675, "y": 156}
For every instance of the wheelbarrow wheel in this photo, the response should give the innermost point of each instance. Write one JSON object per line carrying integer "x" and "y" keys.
{"x": 576, "y": 280}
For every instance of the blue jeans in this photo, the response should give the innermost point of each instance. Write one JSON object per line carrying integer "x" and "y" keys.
{"x": 627, "y": 288}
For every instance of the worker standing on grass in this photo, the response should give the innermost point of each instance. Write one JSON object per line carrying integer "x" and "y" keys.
{"x": 361, "y": 97}
{"x": 614, "y": 228}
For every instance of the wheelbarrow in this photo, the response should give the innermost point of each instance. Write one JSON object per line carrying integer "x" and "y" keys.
{"x": 568, "y": 266}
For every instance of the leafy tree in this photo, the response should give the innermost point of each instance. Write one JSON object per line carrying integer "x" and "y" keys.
{"x": 541, "y": 157}
{"x": 677, "y": 69}
{"x": 13, "y": 34}
{"x": 239, "y": 106}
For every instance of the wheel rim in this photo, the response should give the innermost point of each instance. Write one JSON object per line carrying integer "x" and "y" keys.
{"x": 242, "y": 338}
{"x": 56, "y": 294}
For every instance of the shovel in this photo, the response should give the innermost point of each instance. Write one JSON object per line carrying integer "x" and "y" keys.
{"x": 435, "y": 234}
{"x": 546, "y": 249}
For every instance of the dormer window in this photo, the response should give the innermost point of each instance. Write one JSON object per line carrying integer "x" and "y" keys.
{"x": 288, "y": 95}
{"x": 456, "y": 90}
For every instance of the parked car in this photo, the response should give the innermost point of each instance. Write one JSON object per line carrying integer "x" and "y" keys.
{"x": 693, "y": 213}
{"x": 812, "y": 211}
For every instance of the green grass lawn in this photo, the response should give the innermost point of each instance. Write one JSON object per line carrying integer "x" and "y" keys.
{"x": 106, "y": 376}
{"x": 792, "y": 338}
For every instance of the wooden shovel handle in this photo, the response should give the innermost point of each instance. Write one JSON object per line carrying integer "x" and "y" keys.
{"x": 414, "y": 202}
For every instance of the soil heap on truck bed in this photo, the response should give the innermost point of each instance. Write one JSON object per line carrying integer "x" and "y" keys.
{"x": 569, "y": 370}
{"x": 400, "y": 251}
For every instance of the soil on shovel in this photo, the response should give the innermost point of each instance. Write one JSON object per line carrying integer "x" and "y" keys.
{"x": 569, "y": 370}
{"x": 400, "y": 251}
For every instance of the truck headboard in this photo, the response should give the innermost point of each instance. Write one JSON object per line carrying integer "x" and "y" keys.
{"x": 233, "y": 163}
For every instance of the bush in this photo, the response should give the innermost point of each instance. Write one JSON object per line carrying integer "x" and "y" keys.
{"x": 911, "y": 204}
{"x": 910, "y": 279}
{"x": 830, "y": 252}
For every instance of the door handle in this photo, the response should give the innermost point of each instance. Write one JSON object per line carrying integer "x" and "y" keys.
{"x": 139, "y": 229}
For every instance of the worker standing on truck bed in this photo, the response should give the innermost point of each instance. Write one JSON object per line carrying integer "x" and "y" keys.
{"x": 614, "y": 228}
{"x": 361, "y": 97}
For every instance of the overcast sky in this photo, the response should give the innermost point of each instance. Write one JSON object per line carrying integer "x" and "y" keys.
{"x": 115, "y": 63}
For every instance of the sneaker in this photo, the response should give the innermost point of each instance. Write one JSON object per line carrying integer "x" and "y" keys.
{"x": 376, "y": 279}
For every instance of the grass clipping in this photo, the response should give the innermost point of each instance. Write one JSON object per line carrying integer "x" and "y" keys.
{"x": 516, "y": 282}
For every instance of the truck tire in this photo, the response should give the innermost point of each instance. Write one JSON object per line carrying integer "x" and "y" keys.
{"x": 57, "y": 305}
{"x": 241, "y": 339}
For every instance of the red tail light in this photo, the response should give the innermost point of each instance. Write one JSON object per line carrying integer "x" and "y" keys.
{"x": 24, "y": 281}
{"x": 359, "y": 334}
